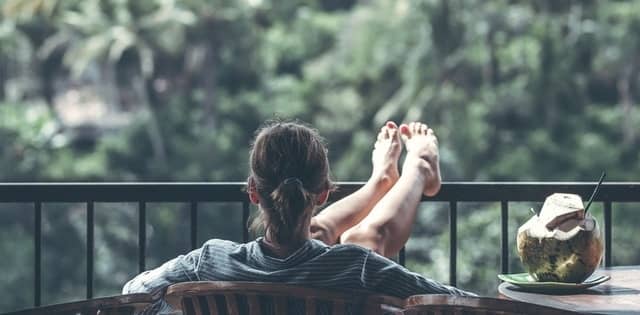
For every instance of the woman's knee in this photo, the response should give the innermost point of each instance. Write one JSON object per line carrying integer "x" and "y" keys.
{"x": 367, "y": 235}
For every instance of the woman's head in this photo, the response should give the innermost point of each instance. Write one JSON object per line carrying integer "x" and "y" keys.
{"x": 289, "y": 173}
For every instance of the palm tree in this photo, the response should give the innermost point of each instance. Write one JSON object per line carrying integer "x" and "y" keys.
{"x": 99, "y": 33}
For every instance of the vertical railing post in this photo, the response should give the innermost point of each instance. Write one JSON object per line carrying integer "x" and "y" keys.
{"x": 504, "y": 222}
{"x": 453, "y": 242}
{"x": 608, "y": 251}
{"x": 142, "y": 235}
{"x": 194, "y": 225}
{"x": 245, "y": 221}
{"x": 37, "y": 242}
{"x": 90, "y": 247}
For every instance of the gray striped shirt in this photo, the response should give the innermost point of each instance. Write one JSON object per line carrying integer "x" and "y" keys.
{"x": 315, "y": 264}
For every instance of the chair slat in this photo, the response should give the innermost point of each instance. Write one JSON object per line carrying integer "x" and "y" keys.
{"x": 232, "y": 304}
{"x": 196, "y": 305}
{"x": 280, "y": 305}
{"x": 187, "y": 306}
{"x": 254, "y": 304}
{"x": 338, "y": 308}
{"x": 213, "y": 305}
{"x": 310, "y": 306}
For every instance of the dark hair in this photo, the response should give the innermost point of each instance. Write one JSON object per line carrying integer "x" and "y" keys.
{"x": 289, "y": 168}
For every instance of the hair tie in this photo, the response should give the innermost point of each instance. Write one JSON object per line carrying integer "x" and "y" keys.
{"x": 292, "y": 180}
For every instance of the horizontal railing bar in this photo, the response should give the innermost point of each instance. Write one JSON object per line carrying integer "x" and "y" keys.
{"x": 234, "y": 191}
{"x": 123, "y": 192}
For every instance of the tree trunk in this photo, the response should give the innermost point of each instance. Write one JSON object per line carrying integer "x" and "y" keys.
{"x": 4, "y": 74}
{"x": 625, "y": 87}
{"x": 209, "y": 85}
{"x": 47, "y": 70}
{"x": 494, "y": 62}
{"x": 143, "y": 86}
{"x": 108, "y": 87}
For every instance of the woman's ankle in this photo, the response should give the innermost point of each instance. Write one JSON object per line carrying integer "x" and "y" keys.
{"x": 381, "y": 183}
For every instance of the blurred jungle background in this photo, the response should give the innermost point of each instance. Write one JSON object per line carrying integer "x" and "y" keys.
{"x": 172, "y": 90}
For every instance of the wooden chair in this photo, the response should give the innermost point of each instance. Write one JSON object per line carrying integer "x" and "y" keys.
{"x": 259, "y": 298}
{"x": 112, "y": 305}
{"x": 437, "y": 304}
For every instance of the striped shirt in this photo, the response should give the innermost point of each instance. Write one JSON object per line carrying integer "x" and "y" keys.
{"x": 314, "y": 264}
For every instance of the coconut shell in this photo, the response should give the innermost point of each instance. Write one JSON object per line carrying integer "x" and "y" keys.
{"x": 562, "y": 260}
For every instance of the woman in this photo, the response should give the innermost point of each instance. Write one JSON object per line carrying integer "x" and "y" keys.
{"x": 345, "y": 245}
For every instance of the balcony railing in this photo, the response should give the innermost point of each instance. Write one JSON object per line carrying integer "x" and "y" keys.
{"x": 195, "y": 193}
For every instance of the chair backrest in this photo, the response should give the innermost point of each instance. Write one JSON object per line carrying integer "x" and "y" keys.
{"x": 431, "y": 304}
{"x": 259, "y": 298}
{"x": 113, "y": 305}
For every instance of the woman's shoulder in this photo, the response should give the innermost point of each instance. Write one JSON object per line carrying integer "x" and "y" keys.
{"x": 220, "y": 246}
{"x": 216, "y": 242}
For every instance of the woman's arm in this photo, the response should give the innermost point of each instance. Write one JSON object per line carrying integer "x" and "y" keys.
{"x": 345, "y": 213}
{"x": 387, "y": 277}
{"x": 155, "y": 282}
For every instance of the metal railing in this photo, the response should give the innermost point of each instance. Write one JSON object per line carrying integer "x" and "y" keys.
{"x": 195, "y": 193}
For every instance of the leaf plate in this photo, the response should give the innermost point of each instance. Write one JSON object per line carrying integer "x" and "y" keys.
{"x": 527, "y": 283}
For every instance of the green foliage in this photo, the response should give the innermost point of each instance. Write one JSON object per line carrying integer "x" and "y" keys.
{"x": 516, "y": 90}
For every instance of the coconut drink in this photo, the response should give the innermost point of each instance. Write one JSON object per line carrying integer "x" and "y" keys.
{"x": 561, "y": 243}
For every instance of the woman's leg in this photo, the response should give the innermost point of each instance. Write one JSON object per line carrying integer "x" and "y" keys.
{"x": 340, "y": 216}
{"x": 388, "y": 226}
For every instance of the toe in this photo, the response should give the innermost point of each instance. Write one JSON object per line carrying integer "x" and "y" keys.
{"x": 391, "y": 125}
{"x": 423, "y": 129}
{"x": 405, "y": 132}
{"x": 385, "y": 132}
{"x": 394, "y": 135}
{"x": 381, "y": 134}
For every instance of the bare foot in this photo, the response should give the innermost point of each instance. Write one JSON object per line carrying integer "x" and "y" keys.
{"x": 385, "y": 155}
{"x": 422, "y": 154}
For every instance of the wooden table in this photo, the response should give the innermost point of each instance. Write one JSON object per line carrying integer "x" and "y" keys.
{"x": 620, "y": 295}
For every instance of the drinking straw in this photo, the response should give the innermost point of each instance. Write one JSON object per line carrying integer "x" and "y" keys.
{"x": 595, "y": 191}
